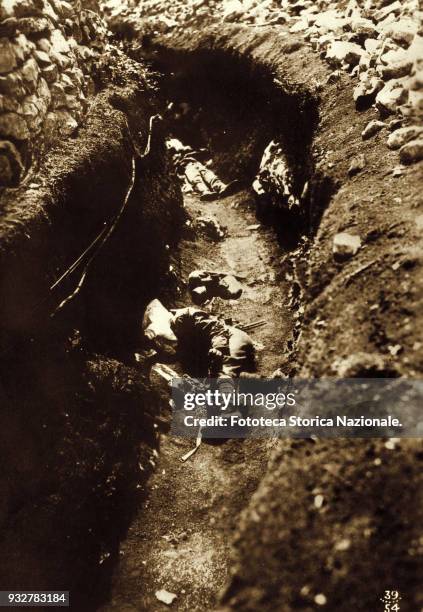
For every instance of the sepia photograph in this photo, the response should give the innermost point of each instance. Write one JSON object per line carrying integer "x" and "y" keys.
{"x": 211, "y": 305}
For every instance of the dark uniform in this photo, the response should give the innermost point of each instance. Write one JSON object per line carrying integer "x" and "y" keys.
{"x": 229, "y": 350}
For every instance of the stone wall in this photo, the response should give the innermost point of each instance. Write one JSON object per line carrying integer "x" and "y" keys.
{"x": 48, "y": 50}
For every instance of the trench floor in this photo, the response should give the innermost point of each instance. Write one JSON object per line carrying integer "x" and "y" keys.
{"x": 180, "y": 540}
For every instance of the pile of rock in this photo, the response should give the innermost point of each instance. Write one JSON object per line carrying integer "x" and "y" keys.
{"x": 164, "y": 17}
{"x": 47, "y": 53}
{"x": 378, "y": 42}
{"x": 254, "y": 12}
{"x": 157, "y": 16}
{"x": 381, "y": 44}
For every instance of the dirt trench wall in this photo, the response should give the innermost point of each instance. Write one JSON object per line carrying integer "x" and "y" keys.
{"x": 77, "y": 420}
{"x": 46, "y": 224}
{"x": 48, "y": 52}
{"x": 329, "y": 514}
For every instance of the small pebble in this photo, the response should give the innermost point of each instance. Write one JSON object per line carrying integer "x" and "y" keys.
{"x": 318, "y": 501}
{"x": 165, "y": 596}
{"x": 391, "y": 444}
{"x": 345, "y": 245}
{"x": 320, "y": 599}
{"x": 343, "y": 544}
{"x": 357, "y": 165}
{"x": 372, "y": 128}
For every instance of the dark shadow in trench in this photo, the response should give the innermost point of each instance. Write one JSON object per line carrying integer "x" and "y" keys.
{"x": 233, "y": 107}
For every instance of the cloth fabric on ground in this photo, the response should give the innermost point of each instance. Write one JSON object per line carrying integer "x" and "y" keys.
{"x": 204, "y": 285}
{"x": 156, "y": 325}
{"x": 275, "y": 178}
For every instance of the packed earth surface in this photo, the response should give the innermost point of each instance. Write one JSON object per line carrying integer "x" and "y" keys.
{"x": 94, "y": 224}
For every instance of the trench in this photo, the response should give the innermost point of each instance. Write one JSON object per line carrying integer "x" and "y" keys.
{"x": 234, "y": 106}
{"x": 115, "y": 535}
{"x": 180, "y": 539}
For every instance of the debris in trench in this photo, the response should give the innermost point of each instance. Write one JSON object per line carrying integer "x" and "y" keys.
{"x": 358, "y": 271}
{"x": 318, "y": 501}
{"x": 186, "y": 383}
{"x": 254, "y": 325}
{"x": 209, "y": 227}
{"x": 343, "y": 545}
{"x": 275, "y": 179}
{"x": 395, "y": 349}
{"x": 193, "y": 450}
{"x": 392, "y": 443}
{"x": 165, "y": 597}
{"x": 205, "y": 285}
{"x": 320, "y": 599}
{"x": 169, "y": 375}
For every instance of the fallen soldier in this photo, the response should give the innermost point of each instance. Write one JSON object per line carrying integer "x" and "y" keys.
{"x": 204, "y": 285}
{"x": 230, "y": 350}
{"x": 202, "y": 341}
{"x": 195, "y": 175}
{"x": 274, "y": 180}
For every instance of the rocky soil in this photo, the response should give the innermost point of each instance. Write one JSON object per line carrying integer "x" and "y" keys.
{"x": 48, "y": 51}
